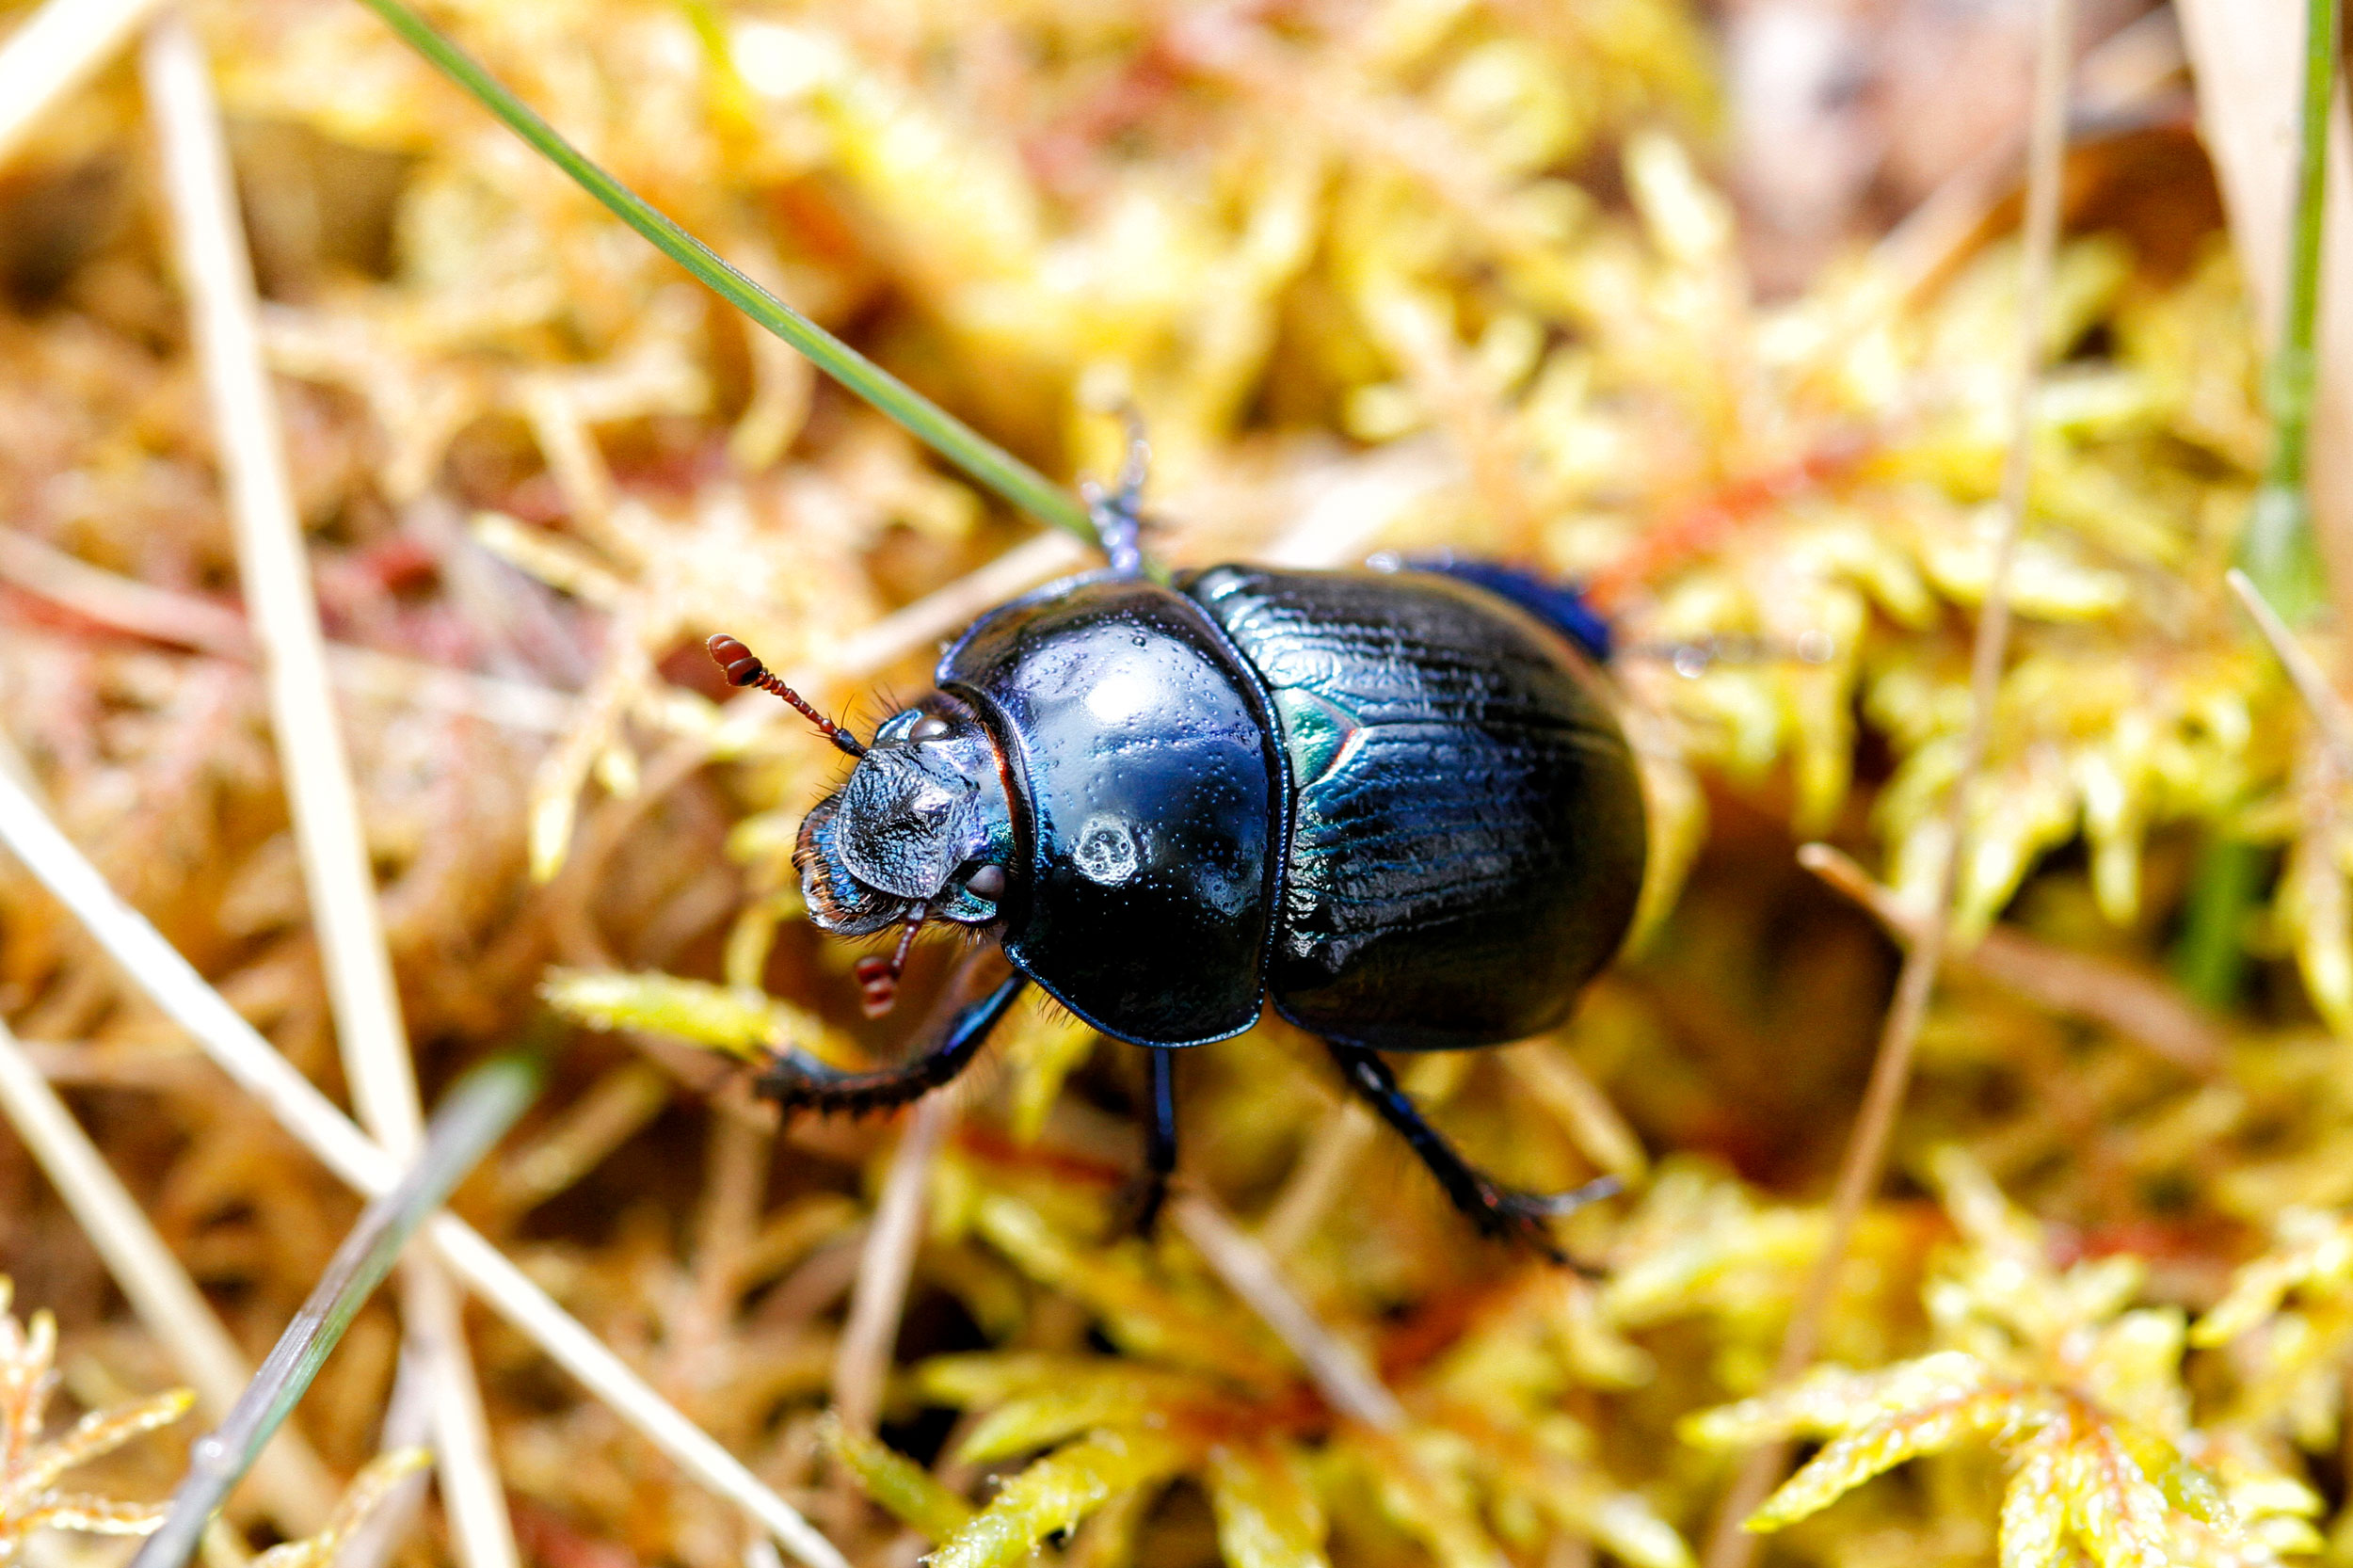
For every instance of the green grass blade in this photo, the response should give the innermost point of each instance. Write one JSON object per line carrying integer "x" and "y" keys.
{"x": 2278, "y": 551}
{"x": 988, "y": 464}
{"x": 482, "y": 1107}
{"x": 2210, "y": 958}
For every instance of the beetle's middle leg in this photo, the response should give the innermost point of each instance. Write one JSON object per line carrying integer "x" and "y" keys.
{"x": 1160, "y": 1136}
{"x": 1505, "y": 1213}
{"x": 795, "y": 1082}
{"x": 1117, "y": 514}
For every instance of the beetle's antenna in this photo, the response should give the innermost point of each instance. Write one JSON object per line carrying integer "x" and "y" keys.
{"x": 878, "y": 977}
{"x": 744, "y": 668}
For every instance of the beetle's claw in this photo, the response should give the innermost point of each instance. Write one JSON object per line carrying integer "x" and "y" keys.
{"x": 1136, "y": 1210}
{"x": 1509, "y": 1214}
{"x": 1578, "y": 1197}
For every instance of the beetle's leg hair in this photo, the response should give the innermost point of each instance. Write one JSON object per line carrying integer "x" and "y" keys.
{"x": 1506, "y": 1213}
{"x": 1117, "y": 514}
{"x": 1160, "y": 1140}
{"x": 798, "y": 1080}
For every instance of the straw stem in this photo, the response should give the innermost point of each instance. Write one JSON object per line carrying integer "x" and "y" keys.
{"x": 479, "y": 1110}
{"x": 296, "y": 1486}
{"x": 1729, "y": 1545}
{"x": 216, "y": 274}
{"x": 886, "y": 1265}
{"x": 240, "y": 1050}
{"x": 55, "y": 51}
{"x": 1346, "y": 1382}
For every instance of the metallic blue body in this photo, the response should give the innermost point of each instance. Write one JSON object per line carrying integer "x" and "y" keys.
{"x": 1393, "y": 802}
{"x": 1466, "y": 836}
{"x": 1146, "y": 789}
{"x": 1557, "y": 604}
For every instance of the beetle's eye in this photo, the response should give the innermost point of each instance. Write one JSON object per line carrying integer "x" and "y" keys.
{"x": 931, "y": 727}
{"x": 988, "y": 882}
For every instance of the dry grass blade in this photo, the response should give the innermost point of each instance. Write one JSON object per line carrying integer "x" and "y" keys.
{"x": 337, "y": 872}
{"x": 185, "y": 620}
{"x": 1729, "y": 1545}
{"x": 2311, "y": 682}
{"x": 1553, "y": 1079}
{"x": 58, "y": 49}
{"x": 122, "y": 603}
{"x": 951, "y": 609}
{"x": 616, "y": 1106}
{"x": 363, "y": 1508}
{"x": 218, "y": 278}
{"x": 293, "y": 1482}
{"x": 2127, "y": 72}
{"x": 225, "y": 1035}
{"x": 1339, "y": 1140}
{"x": 885, "y": 1266}
{"x": 479, "y": 1110}
{"x": 2140, "y": 1006}
{"x": 247, "y": 1057}
{"x": 1347, "y": 1383}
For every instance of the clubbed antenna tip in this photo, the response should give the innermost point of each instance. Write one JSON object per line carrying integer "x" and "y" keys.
{"x": 744, "y": 668}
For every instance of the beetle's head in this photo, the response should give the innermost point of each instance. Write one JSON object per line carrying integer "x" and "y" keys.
{"x": 922, "y": 829}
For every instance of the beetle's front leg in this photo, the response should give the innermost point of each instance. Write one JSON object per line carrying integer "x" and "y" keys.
{"x": 1506, "y": 1213}
{"x": 793, "y": 1081}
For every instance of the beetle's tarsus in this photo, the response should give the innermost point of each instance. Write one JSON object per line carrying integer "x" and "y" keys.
{"x": 1509, "y": 1215}
{"x": 1513, "y": 1215}
{"x": 793, "y": 1086}
{"x": 1500, "y": 1212}
{"x": 803, "y": 1083}
{"x": 1136, "y": 1210}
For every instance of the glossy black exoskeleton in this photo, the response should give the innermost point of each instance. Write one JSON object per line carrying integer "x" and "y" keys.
{"x": 1394, "y": 806}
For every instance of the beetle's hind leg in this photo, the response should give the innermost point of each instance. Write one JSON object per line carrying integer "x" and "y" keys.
{"x": 795, "y": 1081}
{"x": 1506, "y": 1213}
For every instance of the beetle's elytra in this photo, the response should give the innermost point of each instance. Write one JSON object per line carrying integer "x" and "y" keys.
{"x": 1393, "y": 805}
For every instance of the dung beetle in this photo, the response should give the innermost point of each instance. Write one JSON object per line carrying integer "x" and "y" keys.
{"x": 1395, "y": 805}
